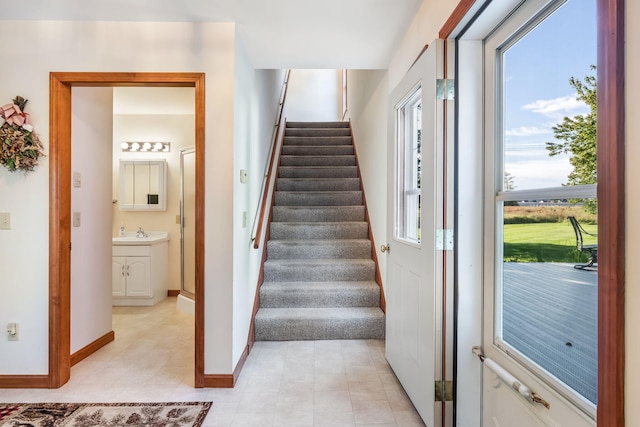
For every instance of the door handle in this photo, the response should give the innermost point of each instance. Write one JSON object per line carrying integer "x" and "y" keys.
{"x": 127, "y": 270}
{"x": 385, "y": 248}
{"x": 122, "y": 270}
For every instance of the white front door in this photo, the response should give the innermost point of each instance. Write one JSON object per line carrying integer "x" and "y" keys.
{"x": 412, "y": 282}
{"x": 531, "y": 70}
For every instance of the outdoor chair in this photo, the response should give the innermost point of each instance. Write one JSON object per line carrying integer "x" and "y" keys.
{"x": 591, "y": 249}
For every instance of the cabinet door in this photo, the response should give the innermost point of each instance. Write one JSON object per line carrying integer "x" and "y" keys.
{"x": 118, "y": 276}
{"x": 138, "y": 271}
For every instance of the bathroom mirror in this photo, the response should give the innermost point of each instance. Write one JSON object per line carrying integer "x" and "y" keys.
{"x": 143, "y": 185}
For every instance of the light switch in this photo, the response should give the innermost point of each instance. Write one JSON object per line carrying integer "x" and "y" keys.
{"x": 5, "y": 221}
{"x": 76, "y": 219}
{"x": 244, "y": 219}
{"x": 243, "y": 176}
{"x": 12, "y": 331}
{"x": 77, "y": 179}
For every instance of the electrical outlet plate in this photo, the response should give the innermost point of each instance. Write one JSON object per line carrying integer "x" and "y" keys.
{"x": 76, "y": 219}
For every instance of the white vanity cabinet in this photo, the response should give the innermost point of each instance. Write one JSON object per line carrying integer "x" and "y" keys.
{"x": 139, "y": 273}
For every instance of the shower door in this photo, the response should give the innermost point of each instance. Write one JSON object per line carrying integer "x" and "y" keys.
{"x": 187, "y": 221}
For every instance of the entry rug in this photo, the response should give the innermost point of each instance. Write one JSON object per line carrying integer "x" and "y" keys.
{"x": 176, "y": 414}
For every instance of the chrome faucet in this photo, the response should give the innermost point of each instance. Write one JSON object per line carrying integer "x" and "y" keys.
{"x": 141, "y": 233}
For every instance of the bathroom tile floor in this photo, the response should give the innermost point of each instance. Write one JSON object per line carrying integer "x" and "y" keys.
{"x": 295, "y": 383}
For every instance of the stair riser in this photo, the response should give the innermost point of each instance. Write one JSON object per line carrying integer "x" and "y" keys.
{"x": 296, "y": 231}
{"x": 317, "y": 141}
{"x": 275, "y": 271}
{"x": 317, "y": 132}
{"x": 316, "y": 298}
{"x": 340, "y": 198}
{"x": 318, "y": 172}
{"x": 317, "y": 124}
{"x": 311, "y": 150}
{"x": 318, "y": 214}
{"x": 325, "y": 184}
{"x": 323, "y": 250}
{"x": 317, "y": 161}
{"x": 329, "y": 329}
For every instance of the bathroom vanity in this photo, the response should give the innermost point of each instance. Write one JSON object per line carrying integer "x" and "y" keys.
{"x": 139, "y": 272}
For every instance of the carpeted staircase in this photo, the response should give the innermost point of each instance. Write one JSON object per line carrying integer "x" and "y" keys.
{"x": 319, "y": 276}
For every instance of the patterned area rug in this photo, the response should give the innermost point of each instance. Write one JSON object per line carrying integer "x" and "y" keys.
{"x": 180, "y": 414}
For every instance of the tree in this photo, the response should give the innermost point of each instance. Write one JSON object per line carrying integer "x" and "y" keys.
{"x": 577, "y": 135}
{"x": 509, "y": 181}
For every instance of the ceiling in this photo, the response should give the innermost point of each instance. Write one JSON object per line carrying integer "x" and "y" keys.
{"x": 355, "y": 34}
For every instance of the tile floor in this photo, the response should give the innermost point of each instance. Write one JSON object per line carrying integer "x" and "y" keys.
{"x": 295, "y": 383}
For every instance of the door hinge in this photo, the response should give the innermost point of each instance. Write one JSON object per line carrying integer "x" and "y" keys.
{"x": 444, "y": 391}
{"x": 445, "y": 89}
{"x": 444, "y": 239}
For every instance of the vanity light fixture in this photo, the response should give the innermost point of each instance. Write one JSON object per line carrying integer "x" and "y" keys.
{"x": 145, "y": 146}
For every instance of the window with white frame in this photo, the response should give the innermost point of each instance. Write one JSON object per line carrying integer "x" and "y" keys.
{"x": 541, "y": 196}
{"x": 408, "y": 155}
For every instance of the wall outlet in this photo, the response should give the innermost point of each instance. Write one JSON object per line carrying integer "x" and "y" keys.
{"x": 5, "y": 221}
{"x": 12, "y": 331}
{"x": 244, "y": 219}
{"x": 76, "y": 219}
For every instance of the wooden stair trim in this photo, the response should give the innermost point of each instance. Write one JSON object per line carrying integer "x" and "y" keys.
{"x": 374, "y": 253}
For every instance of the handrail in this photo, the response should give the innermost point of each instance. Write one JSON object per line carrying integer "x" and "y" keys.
{"x": 266, "y": 180}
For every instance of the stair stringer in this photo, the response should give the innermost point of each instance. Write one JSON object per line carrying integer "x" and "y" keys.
{"x": 374, "y": 253}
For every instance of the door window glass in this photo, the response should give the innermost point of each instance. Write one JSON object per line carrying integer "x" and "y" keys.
{"x": 409, "y": 141}
{"x": 545, "y": 198}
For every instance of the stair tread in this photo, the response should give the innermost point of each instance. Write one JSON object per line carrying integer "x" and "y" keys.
{"x": 332, "y": 286}
{"x": 319, "y": 312}
{"x": 319, "y": 241}
{"x": 319, "y": 261}
{"x": 318, "y": 191}
{"x": 338, "y": 123}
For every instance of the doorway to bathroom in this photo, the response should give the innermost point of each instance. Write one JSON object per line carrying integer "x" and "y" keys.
{"x": 61, "y": 218}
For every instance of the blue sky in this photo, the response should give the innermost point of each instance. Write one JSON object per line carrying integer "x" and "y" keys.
{"x": 538, "y": 95}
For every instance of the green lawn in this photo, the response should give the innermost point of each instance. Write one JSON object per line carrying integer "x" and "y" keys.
{"x": 544, "y": 242}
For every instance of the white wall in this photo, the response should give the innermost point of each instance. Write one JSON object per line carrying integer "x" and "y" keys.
{"x": 368, "y": 94}
{"x": 315, "y": 95}
{"x": 112, "y": 46}
{"x": 632, "y": 95}
{"x": 257, "y": 95}
{"x": 91, "y": 125}
{"x": 179, "y": 130}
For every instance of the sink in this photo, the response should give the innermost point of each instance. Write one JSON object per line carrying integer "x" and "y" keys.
{"x": 130, "y": 239}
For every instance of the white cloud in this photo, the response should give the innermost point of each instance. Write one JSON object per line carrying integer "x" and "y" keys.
{"x": 524, "y": 131}
{"x": 562, "y": 106}
{"x": 539, "y": 173}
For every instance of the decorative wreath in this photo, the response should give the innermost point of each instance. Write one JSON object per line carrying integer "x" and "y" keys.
{"x": 20, "y": 147}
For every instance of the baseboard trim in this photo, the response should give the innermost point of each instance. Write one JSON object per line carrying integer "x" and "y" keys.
{"x": 24, "y": 381}
{"x": 226, "y": 380}
{"x": 173, "y": 292}
{"x": 91, "y": 348}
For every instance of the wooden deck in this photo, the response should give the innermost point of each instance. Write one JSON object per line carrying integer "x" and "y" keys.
{"x": 550, "y": 315}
